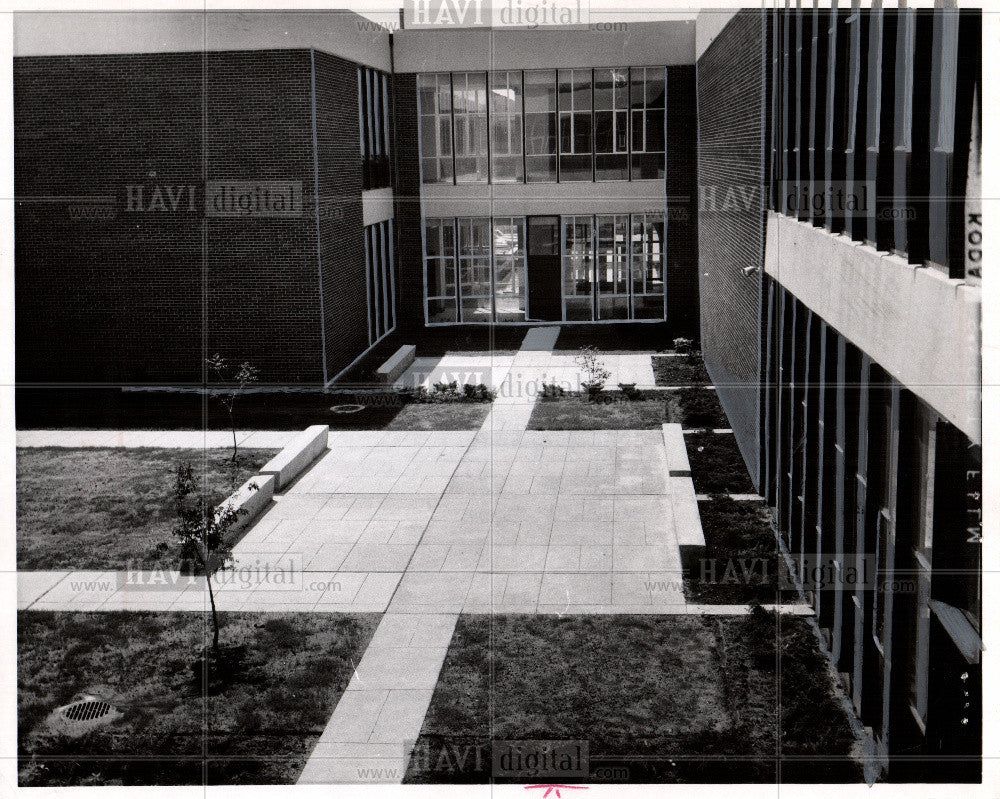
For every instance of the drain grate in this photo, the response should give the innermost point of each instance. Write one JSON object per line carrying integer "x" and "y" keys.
{"x": 82, "y": 715}
{"x": 87, "y": 710}
{"x": 349, "y": 408}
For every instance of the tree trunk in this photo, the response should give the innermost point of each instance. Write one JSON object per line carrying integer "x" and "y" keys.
{"x": 232, "y": 421}
{"x": 211, "y": 598}
{"x": 215, "y": 614}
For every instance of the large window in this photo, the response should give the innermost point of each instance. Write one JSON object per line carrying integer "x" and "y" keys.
{"x": 471, "y": 151}
{"x": 611, "y": 123}
{"x": 578, "y": 268}
{"x": 612, "y": 268}
{"x": 648, "y": 262}
{"x": 439, "y": 265}
{"x": 540, "y": 126}
{"x": 373, "y": 108}
{"x": 474, "y": 269}
{"x": 505, "y": 127}
{"x": 576, "y": 142}
{"x": 543, "y": 125}
{"x": 648, "y": 102}
{"x": 509, "y": 288}
{"x": 436, "y": 161}
{"x": 379, "y": 270}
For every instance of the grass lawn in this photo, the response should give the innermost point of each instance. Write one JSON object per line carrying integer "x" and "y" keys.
{"x": 105, "y": 509}
{"x": 742, "y": 563}
{"x": 258, "y": 726}
{"x": 441, "y": 416}
{"x": 611, "y": 411}
{"x": 657, "y": 699}
{"x": 716, "y": 464}
{"x": 696, "y": 408}
{"x": 679, "y": 371}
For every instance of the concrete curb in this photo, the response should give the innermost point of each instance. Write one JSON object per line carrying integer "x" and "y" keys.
{"x": 297, "y": 455}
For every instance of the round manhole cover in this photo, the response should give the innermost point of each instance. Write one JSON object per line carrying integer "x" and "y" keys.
{"x": 350, "y": 408}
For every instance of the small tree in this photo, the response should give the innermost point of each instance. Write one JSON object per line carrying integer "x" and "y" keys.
{"x": 237, "y": 383}
{"x": 590, "y": 361}
{"x": 203, "y": 533}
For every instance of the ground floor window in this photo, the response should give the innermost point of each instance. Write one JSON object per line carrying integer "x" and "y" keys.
{"x": 380, "y": 280}
{"x": 599, "y": 268}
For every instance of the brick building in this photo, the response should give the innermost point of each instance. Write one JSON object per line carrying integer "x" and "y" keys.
{"x": 292, "y": 189}
{"x": 844, "y": 338}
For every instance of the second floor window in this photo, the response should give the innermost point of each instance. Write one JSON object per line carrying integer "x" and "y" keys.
{"x": 542, "y": 125}
{"x": 471, "y": 152}
{"x": 373, "y": 108}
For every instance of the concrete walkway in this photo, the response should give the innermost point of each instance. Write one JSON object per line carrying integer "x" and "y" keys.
{"x": 423, "y": 526}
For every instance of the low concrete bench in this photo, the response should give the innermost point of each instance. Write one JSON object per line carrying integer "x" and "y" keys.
{"x": 294, "y": 458}
{"x": 677, "y": 457}
{"x": 393, "y": 369}
{"x": 248, "y": 501}
{"x": 687, "y": 520}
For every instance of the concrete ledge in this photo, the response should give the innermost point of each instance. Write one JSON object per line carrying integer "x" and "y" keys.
{"x": 248, "y": 501}
{"x": 870, "y": 296}
{"x": 394, "y": 367}
{"x": 677, "y": 457}
{"x": 294, "y": 458}
{"x": 687, "y": 524}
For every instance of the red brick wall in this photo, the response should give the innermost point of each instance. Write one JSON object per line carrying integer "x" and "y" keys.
{"x": 731, "y": 78}
{"x": 143, "y": 296}
{"x": 406, "y": 187}
{"x": 682, "y": 216}
{"x": 342, "y": 247}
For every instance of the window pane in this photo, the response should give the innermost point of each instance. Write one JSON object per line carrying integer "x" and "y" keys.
{"x": 540, "y": 125}
{"x": 505, "y": 136}
{"x": 578, "y": 268}
{"x": 435, "y": 127}
{"x": 471, "y": 150}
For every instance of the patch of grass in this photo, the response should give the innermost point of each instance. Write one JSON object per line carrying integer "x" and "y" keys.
{"x": 611, "y": 411}
{"x": 796, "y": 709}
{"x": 657, "y": 699}
{"x": 441, "y": 416}
{"x": 716, "y": 464}
{"x": 680, "y": 370}
{"x": 257, "y": 726}
{"x": 696, "y": 408}
{"x": 93, "y": 508}
{"x": 742, "y": 563}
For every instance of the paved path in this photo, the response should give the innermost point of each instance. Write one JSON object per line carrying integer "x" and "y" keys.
{"x": 423, "y": 526}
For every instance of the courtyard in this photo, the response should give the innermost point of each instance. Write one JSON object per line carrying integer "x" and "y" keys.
{"x": 428, "y": 575}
